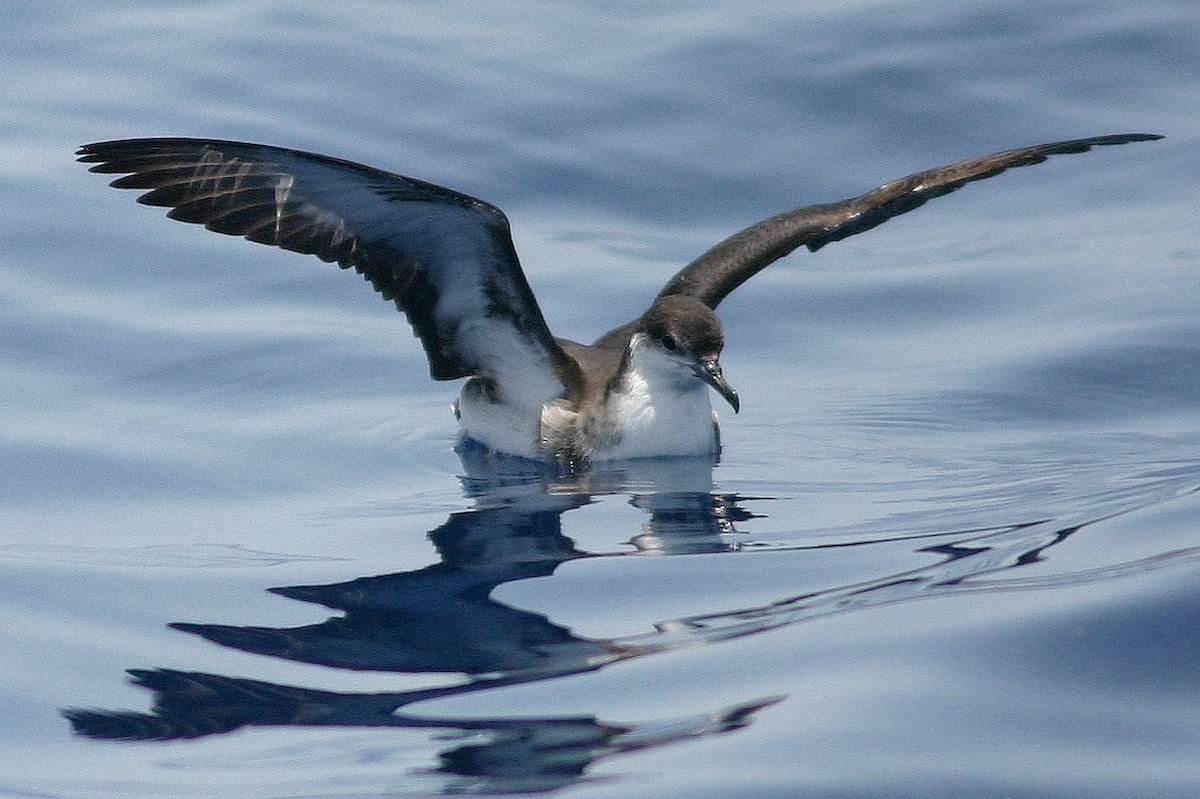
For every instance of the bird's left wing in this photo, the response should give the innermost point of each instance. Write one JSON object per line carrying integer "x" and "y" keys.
{"x": 447, "y": 260}
{"x": 735, "y": 260}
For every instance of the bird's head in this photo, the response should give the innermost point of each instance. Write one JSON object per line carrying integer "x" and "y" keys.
{"x": 686, "y": 336}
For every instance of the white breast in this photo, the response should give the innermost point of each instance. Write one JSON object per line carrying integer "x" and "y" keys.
{"x": 661, "y": 410}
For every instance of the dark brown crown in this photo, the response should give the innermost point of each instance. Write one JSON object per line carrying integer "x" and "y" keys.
{"x": 689, "y": 323}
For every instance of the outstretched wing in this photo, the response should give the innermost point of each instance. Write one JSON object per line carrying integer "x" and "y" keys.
{"x": 446, "y": 259}
{"x": 735, "y": 260}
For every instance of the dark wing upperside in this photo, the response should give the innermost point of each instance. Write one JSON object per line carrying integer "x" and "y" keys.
{"x": 446, "y": 259}
{"x": 735, "y": 260}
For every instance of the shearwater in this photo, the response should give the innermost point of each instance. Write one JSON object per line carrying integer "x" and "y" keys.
{"x": 447, "y": 261}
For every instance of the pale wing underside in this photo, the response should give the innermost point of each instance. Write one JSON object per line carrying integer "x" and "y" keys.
{"x": 445, "y": 259}
{"x": 735, "y": 260}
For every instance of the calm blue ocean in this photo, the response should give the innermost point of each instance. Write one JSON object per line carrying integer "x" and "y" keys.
{"x": 952, "y": 548}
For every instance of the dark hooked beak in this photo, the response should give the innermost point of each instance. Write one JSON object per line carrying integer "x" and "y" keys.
{"x": 709, "y": 370}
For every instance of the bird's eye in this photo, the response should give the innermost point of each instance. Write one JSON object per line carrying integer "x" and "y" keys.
{"x": 668, "y": 341}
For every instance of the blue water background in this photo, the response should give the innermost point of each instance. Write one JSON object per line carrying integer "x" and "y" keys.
{"x": 952, "y": 547}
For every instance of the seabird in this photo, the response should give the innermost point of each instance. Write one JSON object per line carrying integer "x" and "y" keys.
{"x": 447, "y": 261}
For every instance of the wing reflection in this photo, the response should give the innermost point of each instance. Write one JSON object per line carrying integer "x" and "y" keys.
{"x": 440, "y": 618}
{"x": 522, "y": 755}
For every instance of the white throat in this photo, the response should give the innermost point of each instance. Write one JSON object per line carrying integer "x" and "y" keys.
{"x": 661, "y": 408}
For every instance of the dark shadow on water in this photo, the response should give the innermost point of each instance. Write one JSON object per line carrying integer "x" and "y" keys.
{"x": 443, "y": 619}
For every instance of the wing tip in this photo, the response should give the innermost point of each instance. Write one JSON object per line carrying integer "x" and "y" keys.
{"x": 1121, "y": 138}
{"x": 101, "y": 150}
{"x": 110, "y": 149}
{"x": 1046, "y": 150}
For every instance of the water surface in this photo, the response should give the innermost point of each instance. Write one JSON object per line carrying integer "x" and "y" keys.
{"x": 951, "y": 547}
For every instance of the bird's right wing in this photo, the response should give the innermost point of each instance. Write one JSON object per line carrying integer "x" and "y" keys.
{"x": 712, "y": 276}
{"x": 445, "y": 259}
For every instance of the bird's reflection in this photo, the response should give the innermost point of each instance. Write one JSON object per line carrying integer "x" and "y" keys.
{"x": 443, "y": 618}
